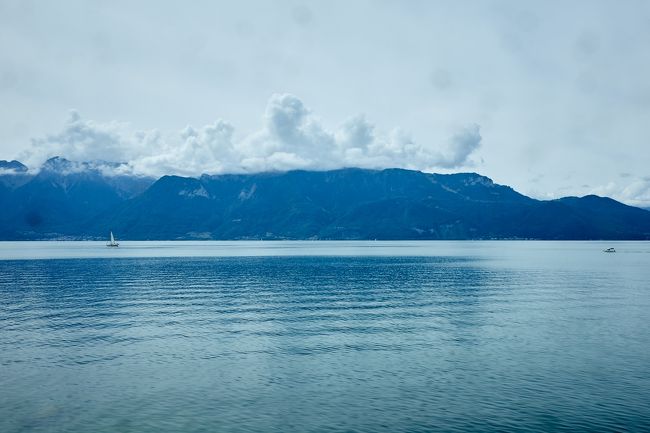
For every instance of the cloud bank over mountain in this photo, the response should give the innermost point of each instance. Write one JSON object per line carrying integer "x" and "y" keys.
{"x": 635, "y": 192}
{"x": 291, "y": 137}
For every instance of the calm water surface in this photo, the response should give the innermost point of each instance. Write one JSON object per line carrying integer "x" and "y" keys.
{"x": 324, "y": 336}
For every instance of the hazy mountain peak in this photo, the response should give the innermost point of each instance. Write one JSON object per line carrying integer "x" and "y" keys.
{"x": 12, "y": 167}
{"x": 63, "y": 166}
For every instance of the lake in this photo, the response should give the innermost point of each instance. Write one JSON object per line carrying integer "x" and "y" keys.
{"x": 324, "y": 336}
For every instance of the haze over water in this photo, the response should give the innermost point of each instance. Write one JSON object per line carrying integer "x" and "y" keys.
{"x": 324, "y": 336}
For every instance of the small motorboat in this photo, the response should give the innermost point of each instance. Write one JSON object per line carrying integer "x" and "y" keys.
{"x": 609, "y": 250}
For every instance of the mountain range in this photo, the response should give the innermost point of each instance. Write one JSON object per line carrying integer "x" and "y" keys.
{"x": 84, "y": 200}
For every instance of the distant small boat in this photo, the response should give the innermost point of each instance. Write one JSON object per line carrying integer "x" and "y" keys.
{"x": 112, "y": 242}
{"x": 609, "y": 250}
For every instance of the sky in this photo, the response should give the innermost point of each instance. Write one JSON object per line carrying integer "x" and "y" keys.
{"x": 549, "y": 97}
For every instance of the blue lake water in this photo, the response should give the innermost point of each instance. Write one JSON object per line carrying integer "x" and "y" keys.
{"x": 324, "y": 336}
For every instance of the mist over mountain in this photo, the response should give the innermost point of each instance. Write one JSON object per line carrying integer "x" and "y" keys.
{"x": 84, "y": 200}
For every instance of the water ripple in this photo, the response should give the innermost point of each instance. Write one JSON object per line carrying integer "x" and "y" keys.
{"x": 395, "y": 344}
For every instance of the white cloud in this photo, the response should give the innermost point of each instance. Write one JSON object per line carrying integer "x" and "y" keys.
{"x": 291, "y": 137}
{"x": 356, "y": 132}
{"x": 461, "y": 147}
{"x": 81, "y": 140}
{"x": 188, "y": 152}
{"x": 636, "y": 193}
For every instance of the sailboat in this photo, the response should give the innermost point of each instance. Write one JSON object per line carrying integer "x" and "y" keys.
{"x": 112, "y": 242}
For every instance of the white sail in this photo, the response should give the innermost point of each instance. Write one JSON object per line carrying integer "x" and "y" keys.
{"x": 112, "y": 243}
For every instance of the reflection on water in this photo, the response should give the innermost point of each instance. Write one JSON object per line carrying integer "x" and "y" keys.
{"x": 542, "y": 336}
